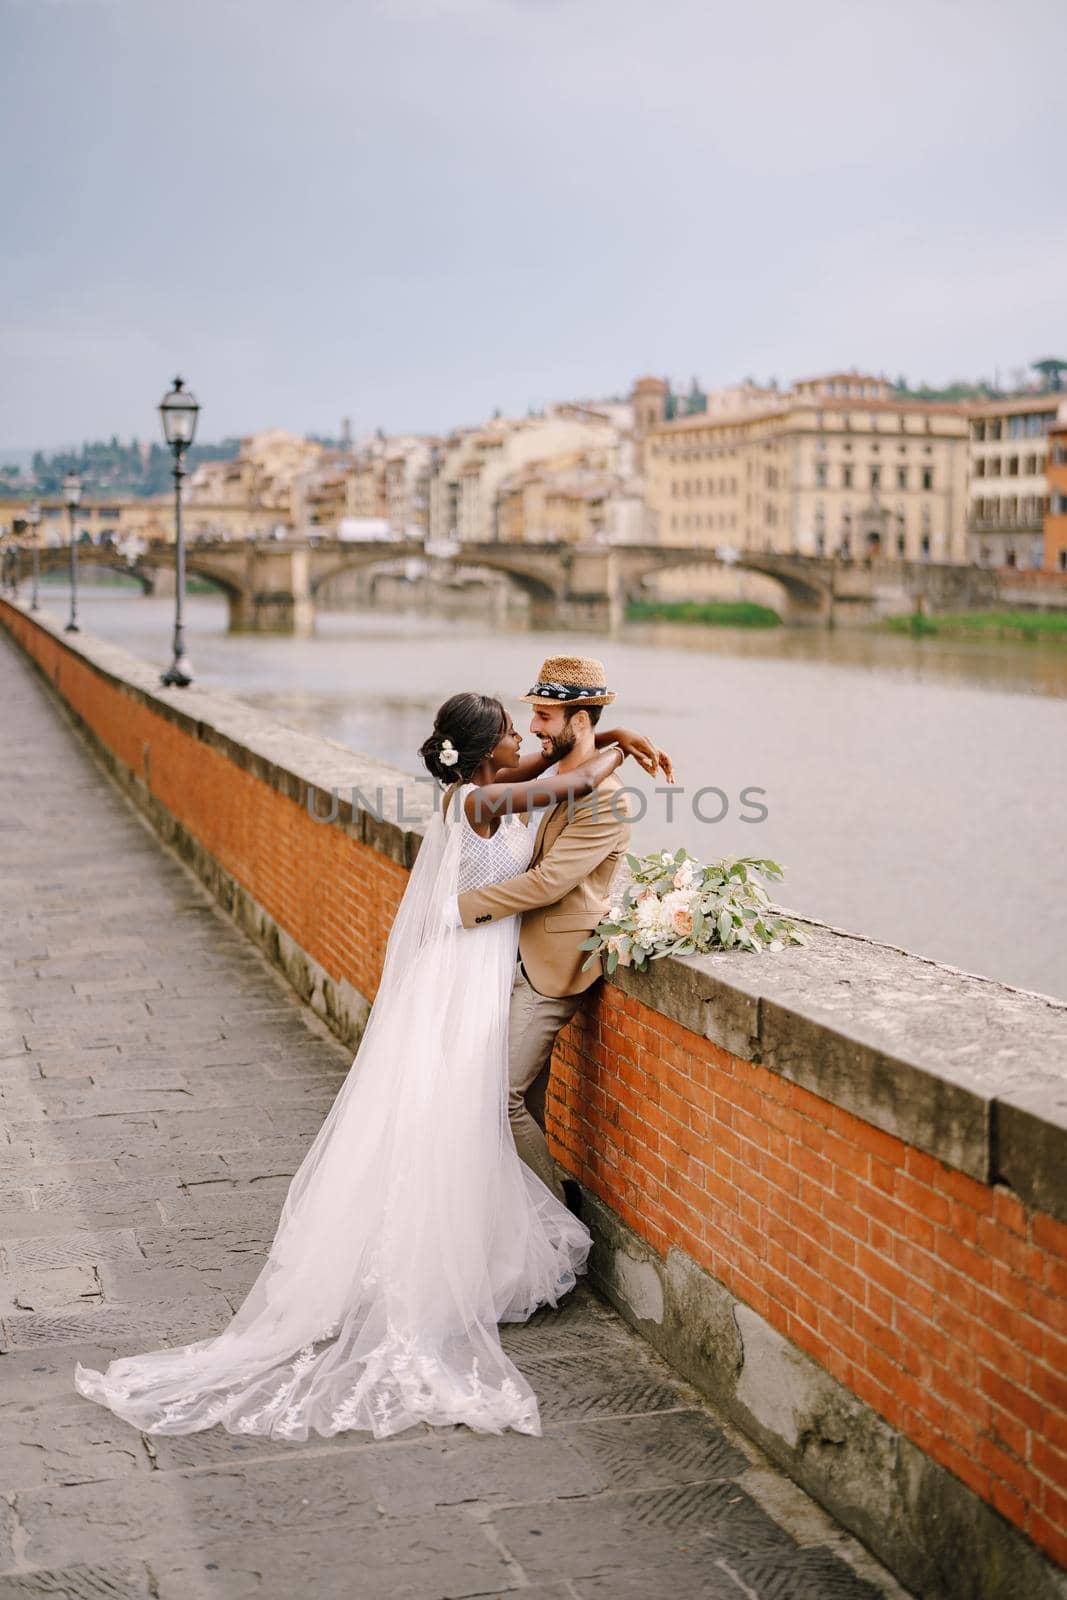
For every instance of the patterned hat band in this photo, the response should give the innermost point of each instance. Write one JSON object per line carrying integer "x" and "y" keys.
{"x": 567, "y": 691}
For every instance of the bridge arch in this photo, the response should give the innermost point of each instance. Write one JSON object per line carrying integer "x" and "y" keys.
{"x": 540, "y": 570}
{"x": 56, "y": 558}
{"x": 801, "y": 588}
{"x": 327, "y": 565}
{"x": 196, "y": 567}
{"x": 530, "y": 574}
{"x": 536, "y": 588}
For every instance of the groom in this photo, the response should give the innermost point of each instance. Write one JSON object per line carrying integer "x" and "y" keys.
{"x": 561, "y": 897}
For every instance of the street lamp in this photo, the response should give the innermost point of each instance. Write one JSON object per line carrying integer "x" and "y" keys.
{"x": 72, "y": 493}
{"x": 178, "y": 410}
{"x": 33, "y": 519}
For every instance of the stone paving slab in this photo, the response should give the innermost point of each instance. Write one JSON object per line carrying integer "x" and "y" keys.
{"x": 159, "y": 1085}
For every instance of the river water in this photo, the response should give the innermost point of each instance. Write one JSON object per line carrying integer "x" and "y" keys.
{"x": 915, "y": 789}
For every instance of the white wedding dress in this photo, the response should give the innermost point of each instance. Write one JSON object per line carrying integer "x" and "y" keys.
{"x": 411, "y": 1227}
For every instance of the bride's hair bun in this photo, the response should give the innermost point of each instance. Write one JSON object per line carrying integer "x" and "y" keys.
{"x": 466, "y": 728}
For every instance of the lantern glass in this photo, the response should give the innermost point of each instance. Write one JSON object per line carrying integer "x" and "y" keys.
{"x": 33, "y": 513}
{"x": 72, "y": 490}
{"x": 179, "y": 411}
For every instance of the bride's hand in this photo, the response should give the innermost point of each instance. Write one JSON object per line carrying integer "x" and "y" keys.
{"x": 647, "y": 755}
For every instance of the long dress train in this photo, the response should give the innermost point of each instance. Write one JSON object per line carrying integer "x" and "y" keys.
{"x": 411, "y": 1228}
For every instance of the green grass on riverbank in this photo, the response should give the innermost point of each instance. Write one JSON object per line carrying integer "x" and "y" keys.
{"x": 722, "y": 613}
{"x": 983, "y": 625}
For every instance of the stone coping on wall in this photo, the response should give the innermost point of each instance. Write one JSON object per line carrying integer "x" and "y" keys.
{"x": 967, "y": 1069}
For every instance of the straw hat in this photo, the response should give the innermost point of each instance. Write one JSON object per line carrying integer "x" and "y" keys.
{"x": 570, "y": 680}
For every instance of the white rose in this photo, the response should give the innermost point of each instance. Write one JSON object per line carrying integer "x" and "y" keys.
{"x": 649, "y": 910}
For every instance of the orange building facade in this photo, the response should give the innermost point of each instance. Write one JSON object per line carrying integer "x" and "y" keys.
{"x": 1056, "y": 515}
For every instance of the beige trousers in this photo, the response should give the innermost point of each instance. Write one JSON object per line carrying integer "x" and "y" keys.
{"x": 533, "y": 1023}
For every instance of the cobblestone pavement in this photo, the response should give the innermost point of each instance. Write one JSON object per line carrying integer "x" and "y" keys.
{"x": 160, "y": 1084}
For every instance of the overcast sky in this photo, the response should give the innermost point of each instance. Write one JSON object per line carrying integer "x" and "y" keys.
{"x": 414, "y": 211}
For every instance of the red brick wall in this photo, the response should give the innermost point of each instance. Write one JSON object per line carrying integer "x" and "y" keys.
{"x": 941, "y": 1302}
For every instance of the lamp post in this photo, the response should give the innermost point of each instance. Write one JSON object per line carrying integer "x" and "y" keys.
{"x": 178, "y": 410}
{"x": 33, "y": 518}
{"x": 72, "y": 493}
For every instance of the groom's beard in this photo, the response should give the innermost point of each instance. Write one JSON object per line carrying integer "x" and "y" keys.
{"x": 559, "y": 744}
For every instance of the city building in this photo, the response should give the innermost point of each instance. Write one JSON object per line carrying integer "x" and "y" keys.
{"x": 469, "y": 468}
{"x": 837, "y": 465}
{"x": 566, "y": 501}
{"x": 1009, "y": 486}
{"x": 1055, "y": 533}
{"x": 653, "y": 402}
{"x": 144, "y": 520}
{"x": 261, "y": 491}
{"x": 407, "y": 476}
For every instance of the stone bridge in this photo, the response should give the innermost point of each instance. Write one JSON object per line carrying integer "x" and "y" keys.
{"x": 271, "y": 586}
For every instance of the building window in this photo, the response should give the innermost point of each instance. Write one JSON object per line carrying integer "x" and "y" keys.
{"x": 1013, "y": 466}
{"x": 928, "y": 477}
{"x": 876, "y": 477}
{"x": 925, "y": 545}
{"x": 820, "y": 474}
{"x": 902, "y": 477}
{"x": 846, "y": 475}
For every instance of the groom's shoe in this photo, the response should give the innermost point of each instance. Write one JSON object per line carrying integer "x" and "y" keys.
{"x": 572, "y": 1195}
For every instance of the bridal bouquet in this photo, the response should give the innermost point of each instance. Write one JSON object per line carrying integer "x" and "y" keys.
{"x": 675, "y": 905}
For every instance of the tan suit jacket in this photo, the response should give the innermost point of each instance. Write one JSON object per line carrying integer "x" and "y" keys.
{"x": 564, "y": 892}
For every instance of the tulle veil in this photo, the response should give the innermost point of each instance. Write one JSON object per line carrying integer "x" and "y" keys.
{"x": 409, "y": 1231}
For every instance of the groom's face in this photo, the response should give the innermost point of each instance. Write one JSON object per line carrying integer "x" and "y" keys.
{"x": 555, "y": 730}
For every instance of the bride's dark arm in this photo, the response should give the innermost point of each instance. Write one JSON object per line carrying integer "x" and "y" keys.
{"x": 644, "y": 752}
{"x": 506, "y": 799}
{"x": 524, "y": 769}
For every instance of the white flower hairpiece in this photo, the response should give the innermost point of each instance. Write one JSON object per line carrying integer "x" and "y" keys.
{"x": 447, "y": 753}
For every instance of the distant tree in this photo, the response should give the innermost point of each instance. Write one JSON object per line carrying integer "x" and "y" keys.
{"x": 119, "y": 469}
{"x": 696, "y": 401}
{"x": 1051, "y": 370}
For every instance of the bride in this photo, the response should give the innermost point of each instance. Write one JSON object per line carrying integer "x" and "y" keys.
{"x": 411, "y": 1228}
